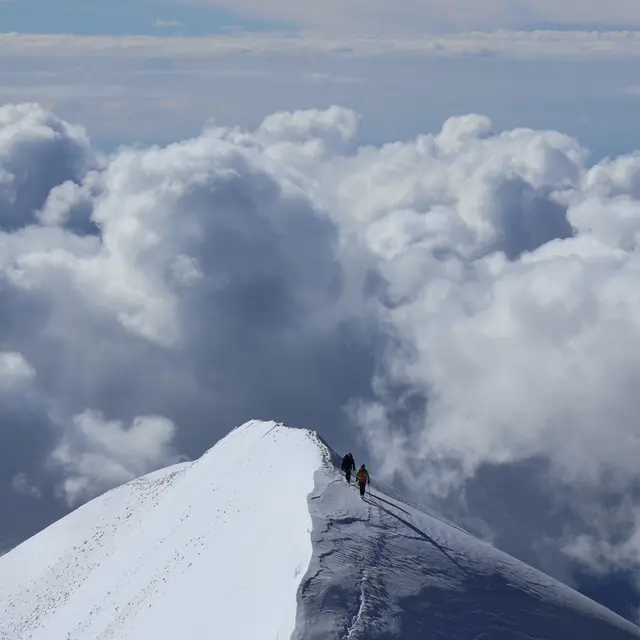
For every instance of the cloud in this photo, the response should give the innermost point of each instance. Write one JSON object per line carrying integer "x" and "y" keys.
{"x": 460, "y": 302}
{"x": 96, "y": 454}
{"x": 35, "y": 144}
{"x": 498, "y": 249}
{"x": 430, "y": 15}
{"x": 339, "y": 125}
{"x": 14, "y": 370}
{"x": 23, "y": 485}
{"x": 167, "y": 24}
{"x": 196, "y": 283}
{"x": 507, "y": 265}
{"x": 518, "y": 44}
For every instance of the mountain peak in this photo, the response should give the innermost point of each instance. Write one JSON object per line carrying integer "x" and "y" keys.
{"x": 262, "y": 537}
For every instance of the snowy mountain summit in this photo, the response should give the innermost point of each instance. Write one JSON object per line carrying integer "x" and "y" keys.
{"x": 262, "y": 539}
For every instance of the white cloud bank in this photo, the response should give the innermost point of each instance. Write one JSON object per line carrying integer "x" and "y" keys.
{"x": 501, "y": 267}
{"x": 518, "y": 44}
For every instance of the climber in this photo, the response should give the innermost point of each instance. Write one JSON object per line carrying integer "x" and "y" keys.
{"x": 348, "y": 465}
{"x": 363, "y": 478}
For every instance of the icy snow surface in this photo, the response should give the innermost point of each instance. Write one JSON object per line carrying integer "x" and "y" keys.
{"x": 382, "y": 569}
{"x": 262, "y": 539}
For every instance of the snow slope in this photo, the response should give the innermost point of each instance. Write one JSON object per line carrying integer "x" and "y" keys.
{"x": 262, "y": 539}
{"x": 210, "y": 549}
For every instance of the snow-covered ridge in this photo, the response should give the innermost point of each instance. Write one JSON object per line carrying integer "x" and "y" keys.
{"x": 262, "y": 538}
{"x": 383, "y": 569}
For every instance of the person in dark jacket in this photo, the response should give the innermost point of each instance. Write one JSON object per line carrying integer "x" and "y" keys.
{"x": 362, "y": 478}
{"x": 348, "y": 465}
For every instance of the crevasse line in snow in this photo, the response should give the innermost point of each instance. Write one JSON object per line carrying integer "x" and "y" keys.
{"x": 358, "y": 617}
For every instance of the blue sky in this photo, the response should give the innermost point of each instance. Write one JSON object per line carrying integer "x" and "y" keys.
{"x": 124, "y": 17}
{"x": 198, "y": 17}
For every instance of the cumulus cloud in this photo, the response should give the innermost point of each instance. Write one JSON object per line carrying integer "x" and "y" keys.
{"x": 39, "y": 152}
{"x": 464, "y": 298}
{"x": 333, "y": 125}
{"x": 96, "y": 454}
{"x": 198, "y": 282}
{"x": 508, "y": 269}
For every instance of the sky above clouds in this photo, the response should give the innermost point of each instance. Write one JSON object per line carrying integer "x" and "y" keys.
{"x": 420, "y": 240}
{"x": 378, "y": 16}
{"x": 194, "y": 17}
{"x": 122, "y": 17}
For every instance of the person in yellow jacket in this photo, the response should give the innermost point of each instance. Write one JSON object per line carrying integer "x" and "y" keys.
{"x": 362, "y": 478}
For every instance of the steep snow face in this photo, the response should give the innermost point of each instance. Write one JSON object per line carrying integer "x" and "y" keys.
{"x": 262, "y": 539}
{"x": 210, "y": 549}
{"x": 382, "y": 569}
